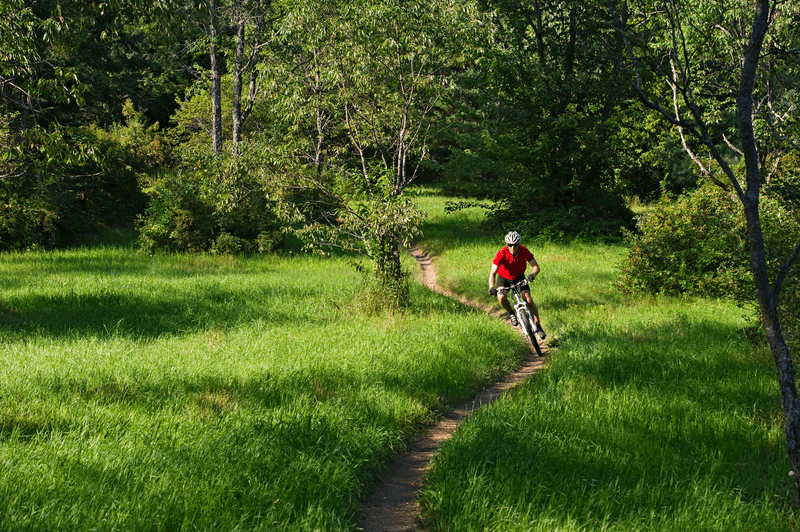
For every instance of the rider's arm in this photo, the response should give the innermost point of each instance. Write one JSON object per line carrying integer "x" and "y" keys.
{"x": 534, "y": 267}
{"x": 492, "y": 275}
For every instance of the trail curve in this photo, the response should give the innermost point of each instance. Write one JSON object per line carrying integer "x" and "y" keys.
{"x": 393, "y": 505}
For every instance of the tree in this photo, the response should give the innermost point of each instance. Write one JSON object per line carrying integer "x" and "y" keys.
{"x": 537, "y": 130}
{"x": 392, "y": 75}
{"x": 357, "y": 94}
{"x": 30, "y": 78}
{"x": 235, "y": 32}
{"x": 207, "y": 17}
{"x": 680, "y": 43}
{"x": 250, "y": 19}
{"x": 302, "y": 85}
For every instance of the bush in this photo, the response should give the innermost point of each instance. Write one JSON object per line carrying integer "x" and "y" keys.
{"x": 67, "y": 183}
{"x": 697, "y": 244}
{"x": 176, "y": 217}
{"x": 226, "y": 205}
{"x": 29, "y": 215}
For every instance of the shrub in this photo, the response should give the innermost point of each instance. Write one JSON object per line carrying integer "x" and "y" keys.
{"x": 66, "y": 182}
{"x": 176, "y": 218}
{"x": 225, "y": 205}
{"x": 54, "y": 202}
{"x": 29, "y": 214}
{"x": 697, "y": 244}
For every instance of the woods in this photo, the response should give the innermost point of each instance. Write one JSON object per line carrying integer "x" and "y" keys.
{"x": 244, "y": 126}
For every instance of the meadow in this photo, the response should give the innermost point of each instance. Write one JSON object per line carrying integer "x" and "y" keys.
{"x": 654, "y": 414}
{"x": 200, "y": 392}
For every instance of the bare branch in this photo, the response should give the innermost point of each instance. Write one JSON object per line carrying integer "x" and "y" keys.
{"x": 685, "y": 145}
{"x": 775, "y": 164}
{"x": 774, "y": 130}
{"x": 698, "y": 127}
{"x": 731, "y": 146}
{"x": 787, "y": 265}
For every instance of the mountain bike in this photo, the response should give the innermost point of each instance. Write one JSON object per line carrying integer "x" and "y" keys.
{"x": 523, "y": 313}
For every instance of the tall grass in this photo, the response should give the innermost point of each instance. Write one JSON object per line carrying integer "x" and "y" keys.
{"x": 217, "y": 393}
{"x": 214, "y": 393}
{"x": 654, "y": 414}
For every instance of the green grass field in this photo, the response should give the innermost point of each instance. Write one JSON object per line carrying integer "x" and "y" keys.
{"x": 214, "y": 393}
{"x": 181, "y": 392}
{"x": 655, "y": 414}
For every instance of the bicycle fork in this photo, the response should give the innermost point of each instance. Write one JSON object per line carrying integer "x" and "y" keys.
{"x": 524, "y": 317}
{"x": 526, "y": 323}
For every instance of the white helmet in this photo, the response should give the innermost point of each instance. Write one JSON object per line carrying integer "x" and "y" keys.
{"x": 513, "y": 238}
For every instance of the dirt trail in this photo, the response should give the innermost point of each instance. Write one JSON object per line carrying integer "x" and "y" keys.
{"x": 393, "y": 505}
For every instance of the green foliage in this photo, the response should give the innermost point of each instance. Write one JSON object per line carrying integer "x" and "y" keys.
{"x": 176, "y": 216}
{"x": 64, "y": 183}
{"x": 29, "y": 216}
{"x": 697, "y": 244}
{"x": 229, "y": 204}
{"x": 781, "y": 219}
{"x": 33, "y": 70}
{"x": 353, "y": 98}
{"x": 536, "y": 123}
{"x": 192, "y": 120}
{"x": 374, "y": 223}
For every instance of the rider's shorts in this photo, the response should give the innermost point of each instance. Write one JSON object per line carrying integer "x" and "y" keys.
{"x": 502, "y": 282}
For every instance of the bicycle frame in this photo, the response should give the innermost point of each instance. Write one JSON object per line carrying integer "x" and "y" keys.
{"x": 523, "y": 313}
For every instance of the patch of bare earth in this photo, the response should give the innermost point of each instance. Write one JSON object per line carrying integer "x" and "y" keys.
{"x": 393, "y": 505}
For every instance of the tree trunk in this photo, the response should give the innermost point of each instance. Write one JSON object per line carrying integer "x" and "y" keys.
{"x": 537, "y": 28}
{"x": 389, "y": 270}
{"x": 216, "y": 79}
{"x": 237, "y": 80}
{"x": 780, "y": 352}
{"x": 319, "y": 142}
{"x": 767, "y": 302}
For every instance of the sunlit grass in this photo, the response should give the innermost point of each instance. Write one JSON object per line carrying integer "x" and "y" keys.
{"x": 218, "y": 393}
{"x": 214, "y": 393}
{"x": 655, "y": 413}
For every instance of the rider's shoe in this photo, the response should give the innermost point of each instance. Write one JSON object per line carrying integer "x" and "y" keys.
{"x": 540, "y": 332}
{"x": 513, "y": 319}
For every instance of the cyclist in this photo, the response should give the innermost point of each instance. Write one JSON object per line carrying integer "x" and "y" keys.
{"x": 509, "y": 265}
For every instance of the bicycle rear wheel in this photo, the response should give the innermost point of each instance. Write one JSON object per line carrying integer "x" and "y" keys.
{"x": 527, "y": 328}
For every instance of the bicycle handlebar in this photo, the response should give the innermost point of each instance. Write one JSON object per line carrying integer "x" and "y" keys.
{"x": 518, "y": 284}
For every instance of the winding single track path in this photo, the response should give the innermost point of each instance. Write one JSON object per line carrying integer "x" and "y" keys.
{"x": 393, "y": 505}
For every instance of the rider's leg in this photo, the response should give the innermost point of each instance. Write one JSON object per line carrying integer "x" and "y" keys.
{"x": 532, "y": 307}
{"x": 505, "y": 303}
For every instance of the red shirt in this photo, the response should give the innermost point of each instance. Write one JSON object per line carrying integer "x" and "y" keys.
{"x": 508, "y": 266}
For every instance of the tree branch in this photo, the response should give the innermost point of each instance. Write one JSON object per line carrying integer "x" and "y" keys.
{"x": 787, "y": 265}
{"x": 731, "y": 146}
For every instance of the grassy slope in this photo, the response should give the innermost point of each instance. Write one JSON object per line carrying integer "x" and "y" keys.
{"x": 655, "y": 413}
{"x": 212, "y": 393}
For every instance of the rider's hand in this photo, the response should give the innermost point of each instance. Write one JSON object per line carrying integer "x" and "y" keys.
{"x": 531, "y": 277}
{"x": 492, "y": 291}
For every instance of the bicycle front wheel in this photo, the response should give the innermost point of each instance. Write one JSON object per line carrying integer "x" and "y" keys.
{"x": 527, "y": 328}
